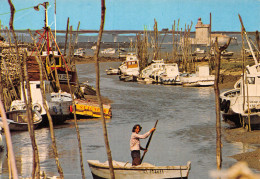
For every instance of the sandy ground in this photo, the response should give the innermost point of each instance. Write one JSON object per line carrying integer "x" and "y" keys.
{"x": 245, "y": 137}
{"x": 227, "y": 81}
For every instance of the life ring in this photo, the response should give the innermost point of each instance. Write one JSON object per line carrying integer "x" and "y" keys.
{"x": 23, "y": 107}
{"x": 227, "y": 106}
{"x": 13, "y": 108}
{"x": 37, "y": 107}
{"x": 223, "y": 105}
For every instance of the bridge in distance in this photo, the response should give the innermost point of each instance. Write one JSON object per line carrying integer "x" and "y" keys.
{"x": 118, "y": 32}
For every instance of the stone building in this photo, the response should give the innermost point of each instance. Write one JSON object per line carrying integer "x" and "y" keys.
{"x": 202, "y": 33}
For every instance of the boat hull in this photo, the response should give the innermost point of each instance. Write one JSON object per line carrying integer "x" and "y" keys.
{"x": 18, "y": 120}
{"x": 254, "y": 119}
{"x": 144, "y": 171}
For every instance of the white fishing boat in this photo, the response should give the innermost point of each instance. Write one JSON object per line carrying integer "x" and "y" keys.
{"x": 108, "y": 51}
{"x": 243, "y": 102}
{"x": 171, "y": 75}
{"x": 113, "y": 71}
{"x": 154, "y": 66}
{"x": 18, "y": 120}
{"x": 199, "y": 51}
{"x": 199, "y": 79}
{"x": 130, "y": 68}
{"x": 144, "y": 171}
{"x": 79, "y": 52}
{"x": 152, "y": 72}
{"x": 58, "y": 102}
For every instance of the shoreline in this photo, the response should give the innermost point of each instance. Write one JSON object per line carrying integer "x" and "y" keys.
{"x": 241, "y": 135}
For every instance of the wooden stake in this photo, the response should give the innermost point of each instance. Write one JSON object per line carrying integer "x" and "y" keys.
{"x": 217, "y": 102}
{"x": 109, "y": 155}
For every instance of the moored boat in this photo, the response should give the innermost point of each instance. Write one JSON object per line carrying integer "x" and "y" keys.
{"x": 171, "y": 75}
{"x": 18, "y": 120}
{"x": 129, "y": 68}
{"x": 199, "y": 79}
{"x": 243, "y": 102}
{"x": 113, "y": 71}
{"x": 124, "y": 170}
{"x": 58, "y": 102}
{"x": 92, "y": 109}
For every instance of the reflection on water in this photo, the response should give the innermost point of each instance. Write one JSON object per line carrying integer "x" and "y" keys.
{"x": 185, "y": 131}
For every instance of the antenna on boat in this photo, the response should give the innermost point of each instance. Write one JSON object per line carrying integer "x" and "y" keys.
{"x": 46, "y": 26}
{"x": 55, "y": 19}
{"x": 250, "y": 47}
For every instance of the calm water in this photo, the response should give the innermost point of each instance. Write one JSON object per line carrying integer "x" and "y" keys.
{"x": 185, "y": 131}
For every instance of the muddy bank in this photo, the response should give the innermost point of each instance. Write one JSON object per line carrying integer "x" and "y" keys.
{"x": 245, "y": 137}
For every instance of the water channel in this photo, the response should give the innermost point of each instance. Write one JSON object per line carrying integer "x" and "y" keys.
{"x": 185, "y": 131}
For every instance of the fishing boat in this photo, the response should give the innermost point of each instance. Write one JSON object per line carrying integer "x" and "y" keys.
{"x": 242, "y": 104}
{"x": 151, "y": 73}
{"x": 130, "y": 68}
{"x": 144, "y": 171}
{"x": 171, "y": 75}
{"x": 108, "y": 51}
{"x": 91, "y": 108}
{"x": 243, "y": 101}
{"x": 79, "y": 52}
{"x": 58, "y": 102}
{"x": 18, "y": 120}
{"x": 199, "y": 79}
{"x": 113, "y": 71}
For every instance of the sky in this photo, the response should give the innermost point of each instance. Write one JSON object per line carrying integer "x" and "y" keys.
{"x": 135, "y": 14}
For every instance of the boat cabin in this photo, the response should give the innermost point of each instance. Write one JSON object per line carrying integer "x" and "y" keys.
{"x": 202, "y": 70}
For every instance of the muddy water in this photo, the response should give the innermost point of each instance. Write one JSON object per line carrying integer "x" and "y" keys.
{"x": 185, "y": 131}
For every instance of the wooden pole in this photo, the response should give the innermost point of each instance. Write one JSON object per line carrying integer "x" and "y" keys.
{"x": 75, "y": 118}
{"x": 109, "y": 155}
{"x": 217, "y": 102}
{"x": 54, "y": 147}
{"x": 243, "y": 74}
{"x": 36, "y": 160}
{"x": 66, "y": 39}
{"x": 148, "y": 143}
{"x": 11, "y": 157}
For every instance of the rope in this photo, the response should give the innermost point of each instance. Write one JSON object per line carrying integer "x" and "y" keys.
{"x": 17, "y": 10}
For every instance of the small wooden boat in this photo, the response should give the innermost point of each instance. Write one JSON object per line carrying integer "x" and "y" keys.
{"x": 18, "y": 120}
{"x": 144, "y": 171}
{"x": 113, "y": 71}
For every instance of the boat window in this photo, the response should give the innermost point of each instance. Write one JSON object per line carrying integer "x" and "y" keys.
{"x": 57, "y": 60}
{"x": 258, "y": 68}
{"x": 251, "y": 80}
{"x": 38, "y": 86}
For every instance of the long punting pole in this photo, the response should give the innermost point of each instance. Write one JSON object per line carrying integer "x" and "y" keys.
{"x": 148, "y": 143}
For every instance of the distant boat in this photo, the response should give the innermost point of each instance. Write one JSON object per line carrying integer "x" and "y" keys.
{"x": 171, "y": 75}
{"x": 152, "y": 72}
{"x": 144, "y": 171}
{"x": 18, "y": 120}
{"x": 199, "y": 51}
{"x": 130, "y": 68}
{"x": 199, "y": 79}
{"x": 79, "y": 53}
{"x": 109, "y": 51}
{"x": 113, "y": 71}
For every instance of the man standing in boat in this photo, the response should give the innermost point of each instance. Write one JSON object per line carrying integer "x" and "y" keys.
{"x": 135, "y": 146}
